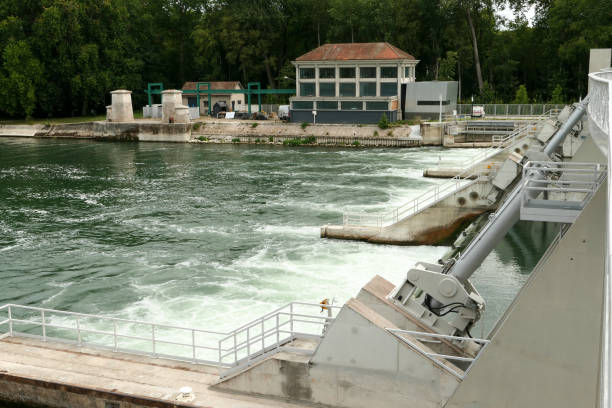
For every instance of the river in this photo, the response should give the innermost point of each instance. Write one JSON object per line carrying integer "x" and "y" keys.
{"x": 212, "y": 236}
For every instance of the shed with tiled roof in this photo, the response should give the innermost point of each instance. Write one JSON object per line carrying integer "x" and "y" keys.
{"x": 233, "y": 100}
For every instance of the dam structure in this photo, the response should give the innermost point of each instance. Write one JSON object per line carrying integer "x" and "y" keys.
{"x": 392, "y": 346}
{"x": 437, "y": 214}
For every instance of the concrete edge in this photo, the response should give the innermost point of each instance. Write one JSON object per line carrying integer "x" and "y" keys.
{"x": 91, "y": 392}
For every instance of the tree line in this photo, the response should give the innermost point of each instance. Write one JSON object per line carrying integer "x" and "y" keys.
{"x": 62, "y": 57}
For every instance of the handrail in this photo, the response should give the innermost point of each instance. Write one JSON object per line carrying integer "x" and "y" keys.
{"x": 212, "y": 342}
{"x": 424, "y": 200}
{"x": 441, "y": 360}
{"x": 473, "y": 172}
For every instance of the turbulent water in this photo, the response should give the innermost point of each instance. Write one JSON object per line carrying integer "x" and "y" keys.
{"x": 212, "y": 236}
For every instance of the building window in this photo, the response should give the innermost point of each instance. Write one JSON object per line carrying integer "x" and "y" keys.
{"x": 367, "y": 89}
{"x": 307, "y": 73}
{"x": 307, "y": 89}
{"x": 327, "y": 89}
{"x": 377, "y": 106}
{"x": 327, "y": 73}
{"x": 327, "y": 105}
{"x": 348, "y": 89}
{"x": 347, "y": 72}
{"x": 388, "y": 89}
{"x": 367, "y": 72}
{"x": 302, "y": 105}
{"x": 430, "y": 103}
{"x": 388, "y": 72}
{"x": 239, "y": 101}
{"x": 351, "y": 105}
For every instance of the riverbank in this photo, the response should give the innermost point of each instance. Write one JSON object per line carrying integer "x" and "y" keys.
{"x": 250, "y": 132}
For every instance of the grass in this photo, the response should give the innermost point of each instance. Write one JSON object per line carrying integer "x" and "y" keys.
{"x": 300, "y": 141}
{"x": 60, "y": 121}
{"x": 304, "y": 125}
{"x": 198, "y": 125}
{"x": 236, "y": 140}
{"x": 203, "y": 139}
{"x": 271, "y": 139}
{"x": 356, "y": 143}
{"x": 254, "y": 125}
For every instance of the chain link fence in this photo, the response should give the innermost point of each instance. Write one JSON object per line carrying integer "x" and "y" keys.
{"x": 507, "y": 109}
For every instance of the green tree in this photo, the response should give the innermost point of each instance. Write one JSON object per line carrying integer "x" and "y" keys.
{"x": 521, "y": 95}
{"x": 448, "y": 66}
{"x": 19, "y": 79}
{"x": 557, "y": 95}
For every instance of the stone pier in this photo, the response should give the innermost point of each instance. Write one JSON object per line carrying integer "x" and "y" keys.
{"x": 121, "y": 107}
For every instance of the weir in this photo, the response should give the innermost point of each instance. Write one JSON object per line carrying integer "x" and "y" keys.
{"x": 386, "y": 347}
{"x": 436, "y": 215}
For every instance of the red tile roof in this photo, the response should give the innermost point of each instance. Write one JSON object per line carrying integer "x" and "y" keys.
{"x": 191, "y": 86}
{"x": 355, "y": 51}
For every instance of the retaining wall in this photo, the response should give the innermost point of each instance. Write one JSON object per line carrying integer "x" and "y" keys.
{"x": 133, "y": 131}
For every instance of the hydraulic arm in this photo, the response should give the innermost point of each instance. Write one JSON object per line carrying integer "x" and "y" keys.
{"x": 442, "y": 295}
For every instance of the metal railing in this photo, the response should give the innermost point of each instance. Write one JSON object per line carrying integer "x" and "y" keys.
{"x": 476, "y": 169}
{"x": 499, "y": 143}
{"x": 233, "y": 349}
{"x": 441, "y": 360}
{"x": 472, "y": 175}
{"x": 561, "y": 191}
{"x": 252, "y": 341}
{"x": 512, "y": 110}
{"x": 600, "y": 115}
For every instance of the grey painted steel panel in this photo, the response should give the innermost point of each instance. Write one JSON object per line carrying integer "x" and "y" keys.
{"x": 430, "y": 91}
{"x": 545, "y": 350}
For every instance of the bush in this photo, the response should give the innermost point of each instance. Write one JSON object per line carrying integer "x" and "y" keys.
{"x": 300, "y": 141}
{"x": 271, "y": 139}
{"x": 236, "y": 140}
{"x": 197, "y": 125}
{"x": 305, "y": 125}
{"x": 390, "y": 133}
{"x": 356, "y": 143}
{"x": 203, "y": 139}
{"x": 383, "y": 123}
{"x": 254, "y": 125}
{"x": 257, "y": 140}
{"x": 375, "y": 133}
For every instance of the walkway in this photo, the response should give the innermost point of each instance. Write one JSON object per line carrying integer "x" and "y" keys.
{"x": 87, "y": 375}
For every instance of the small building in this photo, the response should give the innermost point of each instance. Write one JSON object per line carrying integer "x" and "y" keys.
{"x": 351, "y": 83}
{"x": 423, "y": 99}
{"x": 233, "y": 100}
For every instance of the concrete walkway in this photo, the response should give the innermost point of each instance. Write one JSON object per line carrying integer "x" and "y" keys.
{"x": 57, "y": 375}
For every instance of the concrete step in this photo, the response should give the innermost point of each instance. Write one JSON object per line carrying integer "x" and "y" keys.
{"x": 55, "y": 375}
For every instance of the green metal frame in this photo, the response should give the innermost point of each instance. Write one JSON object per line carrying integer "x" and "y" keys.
{"x": 154, "y": 88}
{"x": 253, "y": 88}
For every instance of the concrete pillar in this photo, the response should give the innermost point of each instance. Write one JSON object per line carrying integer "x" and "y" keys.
{"x": 181, "y": 114}
{"x": 121, "y": 107}
{"x": 170, "y": 100}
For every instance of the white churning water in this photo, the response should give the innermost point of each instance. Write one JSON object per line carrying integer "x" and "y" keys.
{"x": 212, "y": 236}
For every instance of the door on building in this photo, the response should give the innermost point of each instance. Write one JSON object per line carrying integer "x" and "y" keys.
{"x": 233, "y": 106}
{"x": 192, "y": 102}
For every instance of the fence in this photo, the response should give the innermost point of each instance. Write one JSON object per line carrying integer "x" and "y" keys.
{"x": 475, "y": 170}
{"x": 441, "y": 360}
{"x": 423, "y": 201}
{"x": 508, "y": 110}
{"x": 236, "y": 348}
{"x": 600, "y": 115}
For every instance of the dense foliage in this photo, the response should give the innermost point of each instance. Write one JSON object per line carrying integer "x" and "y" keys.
{"x": 62, "y": 57}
